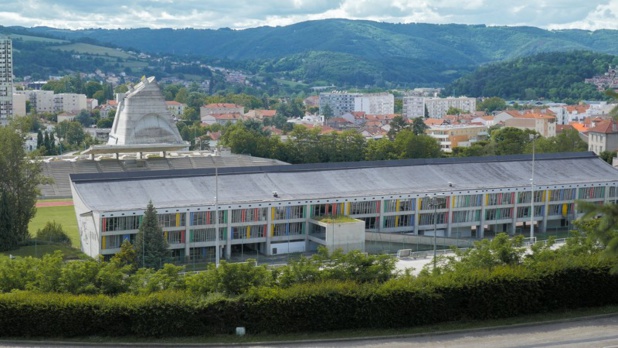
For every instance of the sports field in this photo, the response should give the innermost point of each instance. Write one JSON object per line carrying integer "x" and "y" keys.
{"x": 62, "y": 212}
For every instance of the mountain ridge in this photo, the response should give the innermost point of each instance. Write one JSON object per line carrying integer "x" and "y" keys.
{"x": 351, "y": 53}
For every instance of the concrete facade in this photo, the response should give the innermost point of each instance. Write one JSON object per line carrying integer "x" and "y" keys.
{"x": 375, "y": 104}
{"x": 339, "y": 102}
{"x": 415, "y": 106}
{"x": 6, "y": 80}
{"x": 259, "y": 207}
{"x": 143, "y": 118}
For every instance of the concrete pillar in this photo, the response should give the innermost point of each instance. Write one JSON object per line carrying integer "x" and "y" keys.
{"x": 481, "y": 231}
{"x": 449, "y": 219}
{"x": 187, "y": 234}
{"x": 269, "y": 223}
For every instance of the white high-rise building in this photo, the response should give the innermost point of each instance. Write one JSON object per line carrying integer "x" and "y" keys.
{"x": 339, "y": 102}
{"x": 6, "y": 80}
{"x": 375, "y": 103}
{"x": 414, "y": 106}
{"x": 344, "y": 102}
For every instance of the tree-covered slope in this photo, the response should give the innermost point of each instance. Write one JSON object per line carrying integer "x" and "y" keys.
{"x": 451, "y": 44}
{"x": 557, "y": 76}
{"x": 350, "y": 53}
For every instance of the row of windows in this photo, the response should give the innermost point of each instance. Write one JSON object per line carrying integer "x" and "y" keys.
{"x": 365, "y": 207}
{"x": 467, "y": 201}
{"x": 206, "y": 218}
{"x": 591, "y": 192}
{"x": 286, "y": 213}
{"x": 394, "y": 205}
{"x": 291, "y": 229}
{"x": 249, "y": 232}
{"x": 398, "y": 221}
{"x": 123, "y": 223}
{"x": 172, "y": 220}
{"x": 502, "y": 198}
{"x": 249, "y": 215}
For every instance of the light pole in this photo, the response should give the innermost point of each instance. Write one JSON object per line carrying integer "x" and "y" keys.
{"x": 434, "y": 203}
{"x": 217, "y": 256}
{"x": 533, "y": 137}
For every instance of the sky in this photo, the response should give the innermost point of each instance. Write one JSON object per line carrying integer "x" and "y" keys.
{"x": 243, "y": 14}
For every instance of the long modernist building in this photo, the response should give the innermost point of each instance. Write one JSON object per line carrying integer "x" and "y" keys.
{"x": 275, "y": 209}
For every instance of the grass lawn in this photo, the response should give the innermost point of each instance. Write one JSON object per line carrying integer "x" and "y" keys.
{"x": 85, "y": 48}
{"x": 40, "y": 250}
{"x": 62, "y": 215}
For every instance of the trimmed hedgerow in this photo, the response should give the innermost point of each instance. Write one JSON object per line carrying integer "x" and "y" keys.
{"x": 330, "y": 305}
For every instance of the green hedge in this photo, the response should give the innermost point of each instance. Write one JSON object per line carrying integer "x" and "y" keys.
{"x": 403, "y": 302}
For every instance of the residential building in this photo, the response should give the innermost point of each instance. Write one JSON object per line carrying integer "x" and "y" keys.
{"x": 451, "y": 136}
{"x": 19, "y": 104}
{"x": 175, "y": 108}
{"x": 603, "y": 136}
{"x": 91, "y": 104}
{"x": 375, "y": 104}
{"x": 70, "y": 102}
{"x": 543, "y": 124}
{"x": 416, "y": 106}
{"x": 221, "y": 108}
{"x": 6, "y": 80}
{"x": 47, "y": 102}
{"x": 338, "y": 101}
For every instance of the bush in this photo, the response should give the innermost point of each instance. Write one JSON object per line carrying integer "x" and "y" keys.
{"x": 53, "y": 233}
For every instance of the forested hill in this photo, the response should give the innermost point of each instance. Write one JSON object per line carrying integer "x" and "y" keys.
{"x": 459, "y": 45}
{"x": 557, "y": 76}
{"x": 350, "y": 53}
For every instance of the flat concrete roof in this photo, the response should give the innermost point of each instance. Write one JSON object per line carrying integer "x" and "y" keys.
{"x": 196, "y": 187}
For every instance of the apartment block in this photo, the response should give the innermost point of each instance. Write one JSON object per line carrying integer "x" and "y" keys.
{"x": 416, "y": 106}
{"x": 339, "y": 102}
{"x": 48, "y": 102}
{"x": 453, "y": 136}
{"x": 6, "y": 80}
{"x": 375, "y": 104}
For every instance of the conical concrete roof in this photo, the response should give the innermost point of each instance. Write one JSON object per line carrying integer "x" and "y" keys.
{"x": 142, "y": 118}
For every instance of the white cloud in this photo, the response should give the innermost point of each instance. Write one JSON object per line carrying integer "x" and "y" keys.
{"x": 240, "y": 14}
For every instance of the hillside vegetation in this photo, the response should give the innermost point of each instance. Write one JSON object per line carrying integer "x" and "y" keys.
{"x": 557, "y": 76}
{"x": 350, "y": 53}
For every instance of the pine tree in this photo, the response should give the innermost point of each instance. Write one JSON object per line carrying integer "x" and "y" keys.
{"x": 150, "y": 244}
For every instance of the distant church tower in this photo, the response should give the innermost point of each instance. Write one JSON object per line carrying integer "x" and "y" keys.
{"x": 142, "y": 118}
{"x": 6, "y": 80}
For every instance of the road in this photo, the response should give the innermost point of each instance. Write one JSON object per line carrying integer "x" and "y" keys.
{"x": 597, "y": 332}
{"x": 601, "y": 331}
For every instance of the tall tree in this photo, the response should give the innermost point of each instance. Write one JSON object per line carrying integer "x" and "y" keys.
{"x": 150, "y": 244}
{"x": 419, "y": 126}
{"x": 8, "y": 239}
{"x": 20, "y": 180}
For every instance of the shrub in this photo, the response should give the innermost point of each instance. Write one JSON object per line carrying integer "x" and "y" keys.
{"x": 52, "y": 232}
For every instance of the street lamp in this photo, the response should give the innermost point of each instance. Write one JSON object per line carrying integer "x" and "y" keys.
{"x": 532, "y": 137}
{"x": 217, "y": 256}
{"x": 435, "y": 203}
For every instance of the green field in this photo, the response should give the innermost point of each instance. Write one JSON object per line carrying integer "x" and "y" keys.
{"x": 64, "y": 215}
{"x": 94, "y": 50}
